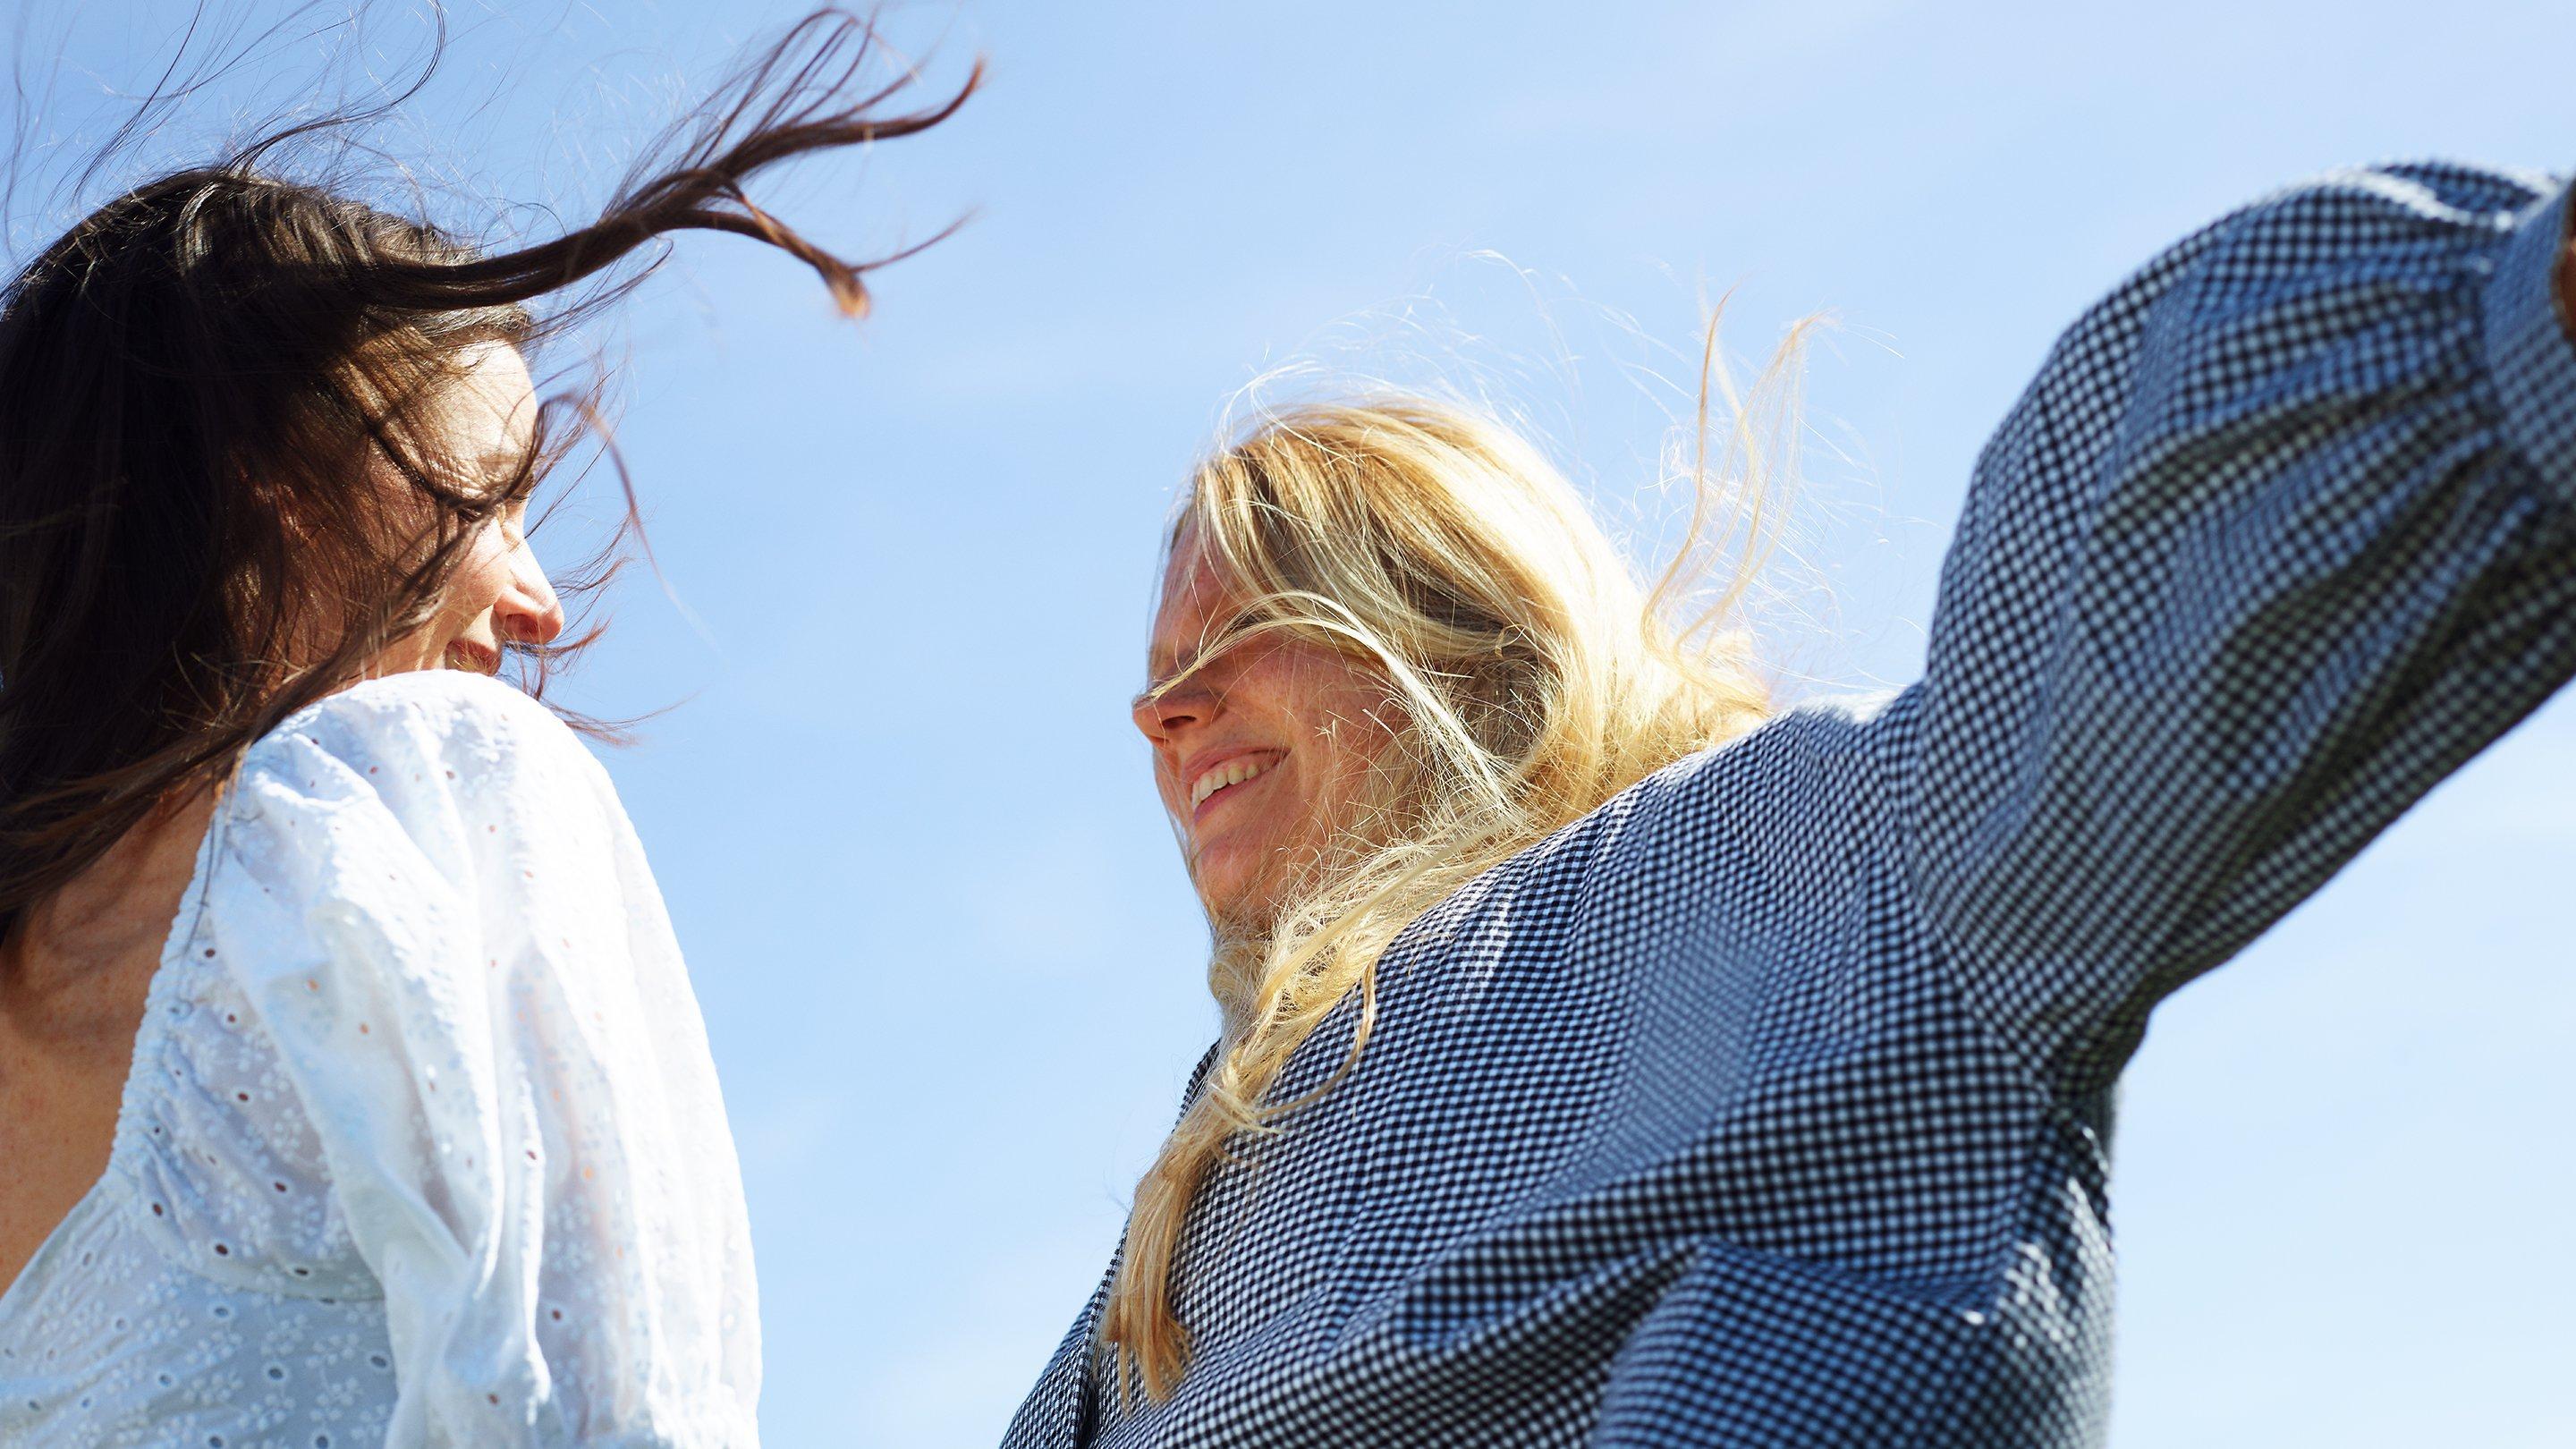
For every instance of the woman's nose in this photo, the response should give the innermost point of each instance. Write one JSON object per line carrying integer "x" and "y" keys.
{"x": 1161, "y": 715}
{"x": 528, "y": 611}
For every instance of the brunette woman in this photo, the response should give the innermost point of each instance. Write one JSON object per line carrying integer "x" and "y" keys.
{"x": 351, "y": 1086}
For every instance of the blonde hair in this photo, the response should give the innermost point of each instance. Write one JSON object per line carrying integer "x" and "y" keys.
{"x": 1529, "y": 677}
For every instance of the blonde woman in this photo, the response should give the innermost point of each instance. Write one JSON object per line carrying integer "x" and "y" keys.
{"x": 1605, "y": 1062}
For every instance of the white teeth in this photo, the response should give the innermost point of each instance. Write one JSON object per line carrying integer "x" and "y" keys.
{"x": 1232, "y": 772}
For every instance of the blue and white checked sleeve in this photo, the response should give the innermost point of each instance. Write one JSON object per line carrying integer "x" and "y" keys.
{"x": 2283, "y": 533}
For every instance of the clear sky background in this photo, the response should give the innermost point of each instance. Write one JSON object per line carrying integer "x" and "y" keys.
{"x": 948, "y": 959}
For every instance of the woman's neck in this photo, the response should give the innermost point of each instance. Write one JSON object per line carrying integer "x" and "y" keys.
{"x": 117, "y": 912}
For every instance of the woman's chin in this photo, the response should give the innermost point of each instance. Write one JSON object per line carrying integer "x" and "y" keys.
{"x": 473, "y": 658}
{"x": 1219, "y": 895}
{"x": 1231, "y": 893}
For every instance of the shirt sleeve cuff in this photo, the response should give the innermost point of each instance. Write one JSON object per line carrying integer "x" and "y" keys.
{"x": 2529, "y": 354}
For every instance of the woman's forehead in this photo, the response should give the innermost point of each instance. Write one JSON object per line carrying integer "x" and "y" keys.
{"x": 494, "y": 398}
{"x": 1195, "y": 594}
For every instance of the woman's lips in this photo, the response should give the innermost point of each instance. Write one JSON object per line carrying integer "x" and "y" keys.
{"x": 476, "y": 658}
{"x": 1227, "y": 778}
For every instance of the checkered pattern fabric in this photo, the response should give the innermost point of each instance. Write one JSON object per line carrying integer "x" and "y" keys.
{"x": 1771, "y": 1104}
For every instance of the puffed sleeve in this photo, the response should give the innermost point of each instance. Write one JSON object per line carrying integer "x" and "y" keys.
{"x": 448, "y": 928}
{"x": 2282, "y": 534}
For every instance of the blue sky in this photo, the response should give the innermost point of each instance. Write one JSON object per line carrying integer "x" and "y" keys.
{"x": 948, "y": 960}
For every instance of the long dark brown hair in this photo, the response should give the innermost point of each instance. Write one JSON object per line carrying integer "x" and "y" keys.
{"x": 205, "y": 383}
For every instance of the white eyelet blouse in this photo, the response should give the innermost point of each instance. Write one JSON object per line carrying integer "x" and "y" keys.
{"x": 422, "y": 1143}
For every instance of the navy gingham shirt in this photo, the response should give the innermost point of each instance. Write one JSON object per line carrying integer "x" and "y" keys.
{"x": 1770, "y": 1104}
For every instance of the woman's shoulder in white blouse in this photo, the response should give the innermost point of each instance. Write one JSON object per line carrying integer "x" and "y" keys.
{"x": 422, "y": 1142}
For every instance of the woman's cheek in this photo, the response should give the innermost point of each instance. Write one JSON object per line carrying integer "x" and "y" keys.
{"x": 480, "y": 578}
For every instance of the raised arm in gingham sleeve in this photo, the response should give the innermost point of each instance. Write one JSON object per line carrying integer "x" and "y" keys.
{"x": 2283, "y": 533}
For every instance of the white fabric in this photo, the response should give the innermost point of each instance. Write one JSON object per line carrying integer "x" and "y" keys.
{"x": 422, "y": 1143}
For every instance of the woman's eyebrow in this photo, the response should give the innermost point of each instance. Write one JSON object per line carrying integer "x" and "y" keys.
{"x": 509, "y": 463}
{"x": 1164, "y": 666}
